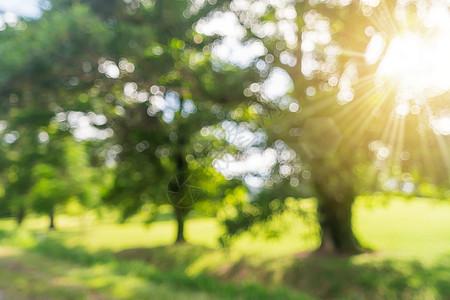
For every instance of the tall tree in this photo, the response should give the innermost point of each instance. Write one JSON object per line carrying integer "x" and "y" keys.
{"x": 41, "y": 73}
{"x": 161, "y": 87}
{"x": 344, "y": 126}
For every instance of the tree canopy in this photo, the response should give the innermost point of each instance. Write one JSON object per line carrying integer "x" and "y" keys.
{"x": 209, "y": 105}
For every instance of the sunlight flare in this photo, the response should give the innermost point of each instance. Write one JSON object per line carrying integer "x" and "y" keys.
{"x": 419, "y": 66}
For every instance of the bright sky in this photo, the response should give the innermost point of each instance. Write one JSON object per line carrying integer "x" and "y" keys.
{"x": 25, "y": 8}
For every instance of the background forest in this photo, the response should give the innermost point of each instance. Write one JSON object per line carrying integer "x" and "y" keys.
{"x": 224, "y": 149}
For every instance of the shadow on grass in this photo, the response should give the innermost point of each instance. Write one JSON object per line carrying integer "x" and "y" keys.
{"x": 154, "y": 273}
{"x": 31, "y": 276}
{"x": 224, "y": 276}
{"x": 370, "y": 277}
{"x": 367, "y": 276}
{"x": 167, "y": 257}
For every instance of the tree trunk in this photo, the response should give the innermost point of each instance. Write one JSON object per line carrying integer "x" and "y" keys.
{"x": 52, "y": 220}
{"x": 20, "y": 215}
{"x": 180, "y": 215}
{"x": 183, "y": 204}
{"x": 335, "y": 220}
{"x": 335, "y": 190}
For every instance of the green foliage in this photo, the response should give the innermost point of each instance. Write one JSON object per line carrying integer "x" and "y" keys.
{"x": 336, "y": 141}
{"x": 167, "y": 98}
{"x": 42, "y": 74}
{"x": 241, "y": 214}
{"x": 156, "y": 135}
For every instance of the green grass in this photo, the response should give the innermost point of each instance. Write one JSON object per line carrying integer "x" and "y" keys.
{"x": 419, "y": 227}
{"x": 51, "y": 270}
{"x": 90, "y": 259}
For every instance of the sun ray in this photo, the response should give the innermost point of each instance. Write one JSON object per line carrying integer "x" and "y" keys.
{"x": 387, "y": 128}
{"x": 427, "y": 163}
{"x": 382, "y": 21}
{"x": 365, "y": 80}
{"x": 407, "y": 65}
{"x": 393, "y": 133}
{"x": 443, "y": 147}
{"x": 394, "y": 27}
{"x": 361, "y": 124}
{"x": 352, "y": 53}
{"x": 355, "y": 106}
{"x": 318, "y": 106}
{"x": 399, "y": 143}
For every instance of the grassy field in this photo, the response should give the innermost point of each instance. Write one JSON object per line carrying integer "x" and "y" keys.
{"x": 91, "y": 259}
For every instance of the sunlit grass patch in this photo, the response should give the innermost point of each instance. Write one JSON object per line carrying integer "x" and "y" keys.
{"x": 411, "y": 240}
{"x": 419, "y": 227}
{"x": 414, "y": 227}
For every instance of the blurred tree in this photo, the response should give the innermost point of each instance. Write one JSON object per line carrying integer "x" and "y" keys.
{"x": 140, "y": 63}
{"x": 63, "y": 173}
{"x": 160, "y": 80}
{"x": 41, "y": 73}
{"x": 164, "y": 92}
{"x": 342, "y": 127}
